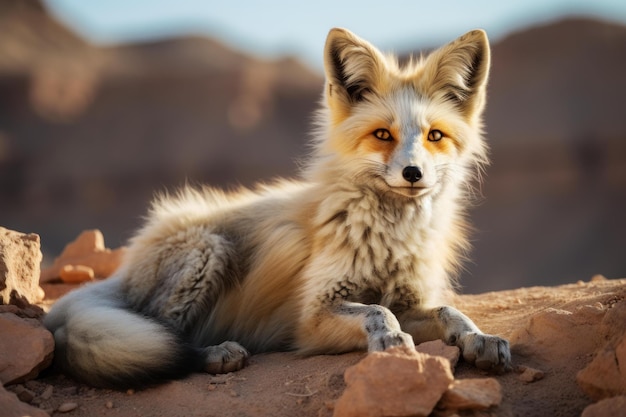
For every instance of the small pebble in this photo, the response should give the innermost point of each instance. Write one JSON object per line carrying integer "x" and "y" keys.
{"x": 233, "y": 393}
{"x": 109, "y": 404}
{"x": 32, "y": 385}
{"x": 67, "y": 407}
{"x": 220, "y": 379}
{"x": 528, "y": 374}
{"x": 69, "y": 391}
{"x": 76, "y": 274}
{"x": 130, "y": 391}
{"x": 47, "y": 392}
{"x": 24, "y": 394}
{"x": 212, "y": 387}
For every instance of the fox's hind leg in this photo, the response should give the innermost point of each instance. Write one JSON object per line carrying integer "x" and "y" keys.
{"x": 195, "y": 268}
{"x": 455, "y": 328}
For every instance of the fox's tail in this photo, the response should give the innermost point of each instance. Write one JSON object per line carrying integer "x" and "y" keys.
{"x": 103, "y": 343}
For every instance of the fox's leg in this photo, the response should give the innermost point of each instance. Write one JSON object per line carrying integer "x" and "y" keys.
{"x": 345, "y": 326}
{"x": 193, "y": 271}
{"x": 455, "y": 328}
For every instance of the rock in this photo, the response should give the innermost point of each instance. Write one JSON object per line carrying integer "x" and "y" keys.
{"x": 87, "y": 250}
{"x": 47, "y": 392}
{"x": 612, "y": 330}
{"x": 397, "y": 382}
{"x": 612, "y": 326}
{"x": 30, "y": 311}
{"x": 20, "y": 263}
{"x": 528, "y": 374}
{"x": 614, "y": 407}
{"x": 553, "y": 334}
{"x": 67, "y": 407}
{"x": 605, "y": 376}
{"x": 26, "y": 348}
{"x": 439, "y": 348}
{"x": 598, "y": 278}
{"x": 471, "y": 394}
{"x": 76, "y": 274}
{"x": 24, "y": 394}
{"x": 11, "y": 406}
{"x": 33, "y": 385}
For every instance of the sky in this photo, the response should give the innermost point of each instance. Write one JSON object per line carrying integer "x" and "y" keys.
{"x": 274, "y": 28}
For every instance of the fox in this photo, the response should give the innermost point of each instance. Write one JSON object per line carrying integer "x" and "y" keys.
{"x": 359, "y": 253}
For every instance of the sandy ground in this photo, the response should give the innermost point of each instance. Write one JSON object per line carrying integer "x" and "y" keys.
{"x": 284, "y": 385}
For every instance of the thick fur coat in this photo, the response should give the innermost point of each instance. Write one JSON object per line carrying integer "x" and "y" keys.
{"x": 356, "y": 255}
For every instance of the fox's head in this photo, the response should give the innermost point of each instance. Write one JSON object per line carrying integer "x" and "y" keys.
{"x": 409, "y": 130}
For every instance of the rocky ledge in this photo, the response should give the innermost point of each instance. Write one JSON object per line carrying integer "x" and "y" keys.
{"x": 568, "y": 344}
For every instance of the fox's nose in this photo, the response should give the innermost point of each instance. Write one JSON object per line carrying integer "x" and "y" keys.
{"x": 412, "y": 174}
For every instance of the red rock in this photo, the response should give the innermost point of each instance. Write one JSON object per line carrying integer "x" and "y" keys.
{"x": 471, "y": 394}
{"x": 87, "y": 250}
{"x": 76, "y": 274}
{"x": 23, "y": 394}
{"x": 439, "y": 348}
{"x": 598, "y": 278}
{"x": 553, "y": 334}
{"x": 20, "y": 262}
{"x": 612, "y": 326}
{"x": 11, "y": 406}
{"x": 528, "y": 374}
{"x": 397, "y": 382}
{"x": 605, "y": 376}
{"x": 613, "y": 407}
{"x": 26, "y": 348}
{"x": 30, "y": 311}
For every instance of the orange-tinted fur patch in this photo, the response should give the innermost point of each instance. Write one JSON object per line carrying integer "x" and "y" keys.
{"x": 370, "y": 144}
{"x": 447, "y": 144}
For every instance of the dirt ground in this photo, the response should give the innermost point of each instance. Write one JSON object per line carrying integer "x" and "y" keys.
{"x": 284, "y": 385}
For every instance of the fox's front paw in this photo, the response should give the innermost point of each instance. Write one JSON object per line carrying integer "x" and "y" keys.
{"x": 380, "y": 341}
{"x": 487, "y": 352}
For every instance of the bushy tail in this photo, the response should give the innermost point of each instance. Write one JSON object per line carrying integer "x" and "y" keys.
{"x": 102, "y": 343}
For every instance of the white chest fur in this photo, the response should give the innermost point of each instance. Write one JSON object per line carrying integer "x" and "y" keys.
{"x": 368, "y": 242}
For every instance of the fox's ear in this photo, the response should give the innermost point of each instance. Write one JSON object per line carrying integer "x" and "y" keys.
{"x": 352, "y": 66}
{"x": 458, "y": 72}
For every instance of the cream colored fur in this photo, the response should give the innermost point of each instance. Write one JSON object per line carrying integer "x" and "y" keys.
{"x": 357, "y": 255}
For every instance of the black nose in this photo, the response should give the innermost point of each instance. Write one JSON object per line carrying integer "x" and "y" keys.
{"x": 412, "y": 174}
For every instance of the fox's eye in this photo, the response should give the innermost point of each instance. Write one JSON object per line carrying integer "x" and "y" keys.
{"x": 383, "y": 134}
{"x": 435, "y": 135}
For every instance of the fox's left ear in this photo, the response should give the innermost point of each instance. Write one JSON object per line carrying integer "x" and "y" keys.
{"x": 458, "y": 72}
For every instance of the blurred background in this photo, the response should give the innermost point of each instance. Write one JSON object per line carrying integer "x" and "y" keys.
{"x": 102, "y": 104}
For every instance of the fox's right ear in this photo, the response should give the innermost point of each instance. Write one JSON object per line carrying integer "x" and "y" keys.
{"x": 353, "y": 67}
